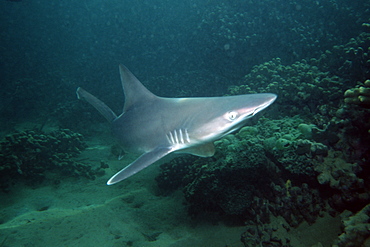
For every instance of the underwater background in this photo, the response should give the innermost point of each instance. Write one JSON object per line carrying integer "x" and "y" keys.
{"x": 297, "y": 175}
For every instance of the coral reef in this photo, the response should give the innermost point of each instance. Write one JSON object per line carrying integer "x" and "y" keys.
{"x": 359, "y": 95}
{"x": 350, "y": 61}
{"x": 256, "y": 235}
{"x": 230, "y": 180}
{"x": 294, "y": 167}
{"x": 296, "y": 146}
{"x": 294, "y": 203}
{"x": 235, "y": 30}
{"x": 300, "y": 86}
{"x": 268, "y": 183}
{"x": 173, "y": 173}
{"x": 239, "y": 175}
{"x": 350, "y": 191}
{"x": 289, "y": 167}
{"x": 32, "y": 153}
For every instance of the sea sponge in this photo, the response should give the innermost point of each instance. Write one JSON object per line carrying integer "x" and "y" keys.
{"x": 306, "y": 130}
{"x": 282, "y": 144}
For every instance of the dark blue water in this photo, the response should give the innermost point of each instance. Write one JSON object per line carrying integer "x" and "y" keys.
{"x": 83, "y": 41}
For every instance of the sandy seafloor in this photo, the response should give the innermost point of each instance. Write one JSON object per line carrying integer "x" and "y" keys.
{"x": 82, "y": 212}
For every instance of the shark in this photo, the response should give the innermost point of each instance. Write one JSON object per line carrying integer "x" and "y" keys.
{"x": 156, "y": 126}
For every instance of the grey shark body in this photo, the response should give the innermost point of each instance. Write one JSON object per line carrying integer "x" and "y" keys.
{"x": 155, "y": 126}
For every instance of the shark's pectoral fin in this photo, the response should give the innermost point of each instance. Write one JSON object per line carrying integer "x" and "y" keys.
{"x": 204, "y": 150}
{"x": 140, "y": 163}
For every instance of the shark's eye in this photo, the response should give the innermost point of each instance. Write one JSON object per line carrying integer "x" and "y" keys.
{"x": 232, "y": 115}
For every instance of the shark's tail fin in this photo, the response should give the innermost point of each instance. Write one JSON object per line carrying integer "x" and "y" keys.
{"x": 97, "y": 103}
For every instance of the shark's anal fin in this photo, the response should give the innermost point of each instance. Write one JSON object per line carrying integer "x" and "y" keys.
{"x": 97, "y": 103}
{"x": 140, "y": 163}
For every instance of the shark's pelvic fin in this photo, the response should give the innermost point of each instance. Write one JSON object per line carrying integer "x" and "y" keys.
{"x": 142, "y": 162}
{"x": 205, "y": 150}
{"x": 97, "y": 103}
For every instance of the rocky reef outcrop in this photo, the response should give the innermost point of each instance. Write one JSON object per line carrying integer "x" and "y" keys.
{"x": 356, "y": 228}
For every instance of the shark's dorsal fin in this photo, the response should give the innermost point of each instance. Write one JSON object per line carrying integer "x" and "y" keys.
{"x": 135, "y": 91}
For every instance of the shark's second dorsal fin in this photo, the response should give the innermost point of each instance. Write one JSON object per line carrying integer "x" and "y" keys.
{"x": 135, "y": 91}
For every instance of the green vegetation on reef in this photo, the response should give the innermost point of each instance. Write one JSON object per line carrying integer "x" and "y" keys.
{"x": 31, "y": 154}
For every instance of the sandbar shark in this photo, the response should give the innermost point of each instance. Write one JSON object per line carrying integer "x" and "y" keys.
{"x": 156, "y": 126}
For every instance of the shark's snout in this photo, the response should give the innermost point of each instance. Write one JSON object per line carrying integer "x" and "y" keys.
{"x": 271, "y": 98}
{"x": 264, "y": 101}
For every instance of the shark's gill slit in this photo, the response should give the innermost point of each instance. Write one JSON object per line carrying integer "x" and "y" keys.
{"x": 187, "y": 136}
{"x": 170, "y": 138}
{"x": 181, "y": 137}
{"x": 176, "y": 138}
